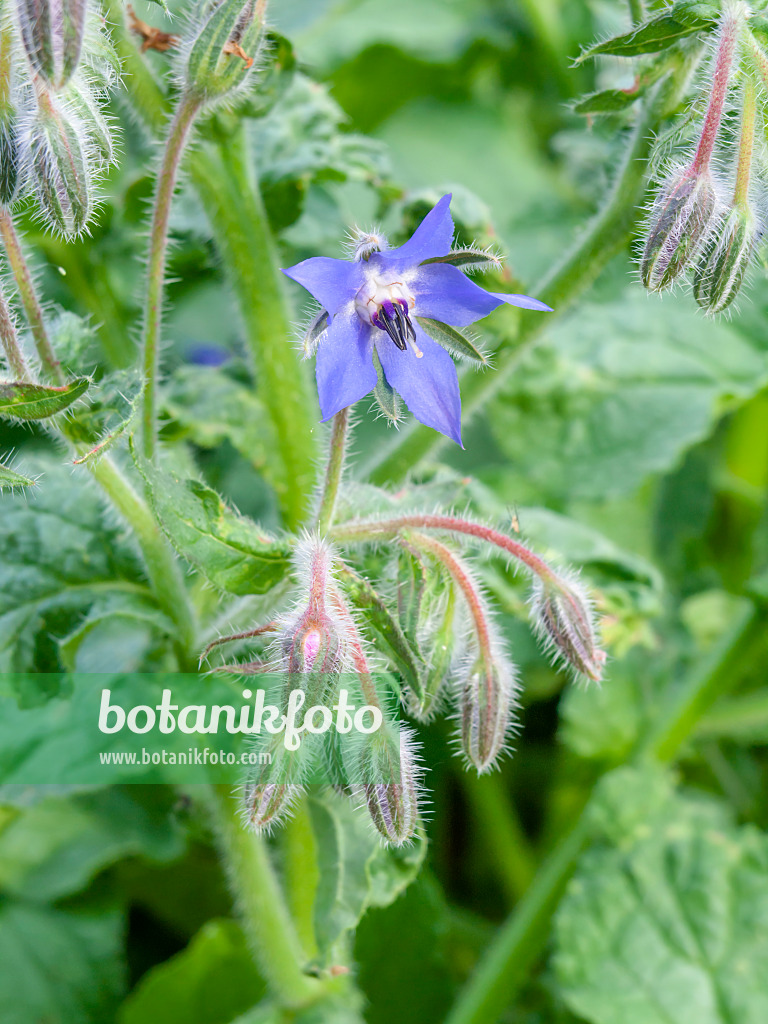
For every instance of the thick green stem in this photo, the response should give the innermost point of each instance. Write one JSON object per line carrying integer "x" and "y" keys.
{"x": 333, "y": 470}
{"x": 178, "y": 133}
{"x": 163, "y": 571}
{"x": 518, "y": 944}
{"x": 266, "y": 918}
{"x": 28, "y": 295}
{"x": 605, "y": 236}
{"x": 224, "y": 179}
{"x": 746, "y": 144}
{"x": 10, "y": 342}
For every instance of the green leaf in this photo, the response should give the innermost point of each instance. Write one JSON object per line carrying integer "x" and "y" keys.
{"x": 654, "y": 35}
{"x": 10, "y": 480}
{"x": 106, "y": 443}
{"x": 59, "y": 966}
{"x": 608, "y": 101}
{"x": 212, "y": 981}
{"x": 37, "y": 401}
{"x": 231, "y": 551}
{"x": 356, "y": 871}
{"x": 128, "y": 609}
{"x": 58, "y": 555}
{"x": 665, "y": 918}
{"x": 619, "y": 392}
{"x": 55, "y": 847}
{"x": 456, "y": 342}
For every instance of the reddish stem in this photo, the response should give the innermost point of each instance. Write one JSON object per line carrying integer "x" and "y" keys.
{"x": 383, "y": 528}
{"x": 720, "y": 78}
{"x": 356, "y": 645}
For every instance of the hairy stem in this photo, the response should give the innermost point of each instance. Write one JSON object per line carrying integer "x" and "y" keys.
{"x": 164, "y": 574}
{"x": 265, "y": 914}
{"x": 28, "y": 295}
{"x": 334, "y": 466}
{"x": 520, "y": 941}
{"x": 383, "y": 529}
{"x": 746, "y": 144}
{"x": 605, "y": 236}
{"x": 178, "y": 133}
{"x": 10, "y": 342}
{"x": 224, "y": 179}
{"x": 720, "y": 79}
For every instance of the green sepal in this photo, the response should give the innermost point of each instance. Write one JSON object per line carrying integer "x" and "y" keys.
{"x": 439, "y": 657}
{"x": 386, "y": 397}
{"x": 456, "y": 342}
{"x": 651, "y": 37}
{"x": 467, "y": 259}
{"x": 37, "y": 401}
{"x": 9, "y": 480}
{"x": 314, "y": 332}
{"x": 231, "y": 551}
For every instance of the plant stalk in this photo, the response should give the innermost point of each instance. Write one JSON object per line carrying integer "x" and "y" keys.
{"x": 333, "y": 470}
{"x": 10, "y": 343}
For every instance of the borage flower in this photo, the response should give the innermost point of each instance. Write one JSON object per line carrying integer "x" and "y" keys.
{"x": 373, "y": 305}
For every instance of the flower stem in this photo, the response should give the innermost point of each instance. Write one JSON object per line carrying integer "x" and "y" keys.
{"x": 178, "y": 133}
{"x": 28, "y": 295}
{"x": 224, "y": 179}
{"x": 746, "y": 144}
{"x": 520, "y": 941}
{"x": 163, "y": 570}
{"x": 382, "y": 529}
{"x": 266, "y": 918}
{"x": 333, "y": 470}
{"x": 606, "y": 235}
{"x": 721, "y": 77}
{"x": 10, "y": 342}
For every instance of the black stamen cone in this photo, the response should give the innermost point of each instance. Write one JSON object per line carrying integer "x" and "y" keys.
{"x": 396, "y": 322}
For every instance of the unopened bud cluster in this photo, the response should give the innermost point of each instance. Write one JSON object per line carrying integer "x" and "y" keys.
{"x": 56, "y": 65}
{"x": 706, "y": 223}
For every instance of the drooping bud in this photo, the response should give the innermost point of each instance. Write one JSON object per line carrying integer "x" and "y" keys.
{"x": 9, "y": 132}
{"x": 99, "y": 131}
{"x": 391, "y": 778}
{"x": 58, "y": 167}
{"x": 274, "y": 786}
{"x": 52, "y": 33}
{"x": 562, "y": 615}
{"x": 225, "y": 48}
{"x": 681, "y": 219}
{"x": 725, "y": 261}
{"x": 486, "y": 706}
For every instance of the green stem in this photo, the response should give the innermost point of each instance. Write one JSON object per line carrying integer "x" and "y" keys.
{"x": 333, "y": 471}
{"x": 518, "y": 944}
{"x": 163, "y": 571}
{"x": 229, "y": 193}
{"x": 28, "y": 295}
{"x": 266, "y": 918}
{"x": 10, "y": 342}
{"x": 606, "y": 235}
{"x": 178, "y": 133}
{"x": 746, "y": 144}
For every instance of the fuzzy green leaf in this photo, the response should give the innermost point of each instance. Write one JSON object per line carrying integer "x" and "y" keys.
{"x": 452, "y": 340}
{"x": 37, "y": 401}
{"x": 609, "y": 101}
{"x": 654, "y": 35}
{"x": 10, "y": 480}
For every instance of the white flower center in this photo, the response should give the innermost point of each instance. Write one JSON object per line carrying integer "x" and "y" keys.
{"x": 387, "y": 305}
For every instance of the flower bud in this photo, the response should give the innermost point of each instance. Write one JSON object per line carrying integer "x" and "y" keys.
{"x": 681, "y": 218}
{"x": 486, "y": 706}
{"x": 391, "y": 778}
{"x": 52, "y": 33}
{"x": 274, "y": 786}
{"x": 95, "y": 124}
{"x": 9, "y": 134}
{"x": 226, "y": 45}
{"x": 721, "y": 269}
{"x": 563, "y": 616}
{"x": 58, "y": 167}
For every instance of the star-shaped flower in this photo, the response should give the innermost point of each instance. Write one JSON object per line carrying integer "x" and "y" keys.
{"x": 373, "y": 303}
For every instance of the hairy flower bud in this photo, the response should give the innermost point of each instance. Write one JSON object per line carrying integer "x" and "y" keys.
{"x": 99, "y": 131}
{"x": 275, "y": 784}
{"x": 721, "y": 269}
{"x": 563, "y": 616}
{"x": 486, "y": 706}
{"x": 681, "y": 218}
{"x": 52, "y": 33}
{"x": 391, "y": 778}
{"x": 225, "y": 47}
{"x": 59, "y": 168}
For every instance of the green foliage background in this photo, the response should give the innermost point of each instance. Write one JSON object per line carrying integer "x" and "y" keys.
{"x": 631, "y": 441}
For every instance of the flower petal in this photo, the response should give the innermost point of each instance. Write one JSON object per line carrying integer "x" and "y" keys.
{"x": 433, "y": 237}
{"x": 429, "y": 386}
{"x": 524, "y": 301}
{"x": 443, "y": 293}
{"x": 332, "y": 282}
{"x": 344, "y": 370}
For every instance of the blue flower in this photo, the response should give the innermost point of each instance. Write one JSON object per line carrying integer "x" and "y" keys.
{"x": 373, "y": 302}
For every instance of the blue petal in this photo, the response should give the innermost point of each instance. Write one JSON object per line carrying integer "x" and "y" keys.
{"x": 332, "y": 282}
{"x": 433, "y": 237}
{"x": 429, "y": 386}
{"x": 444, "y": 293}
{"x": 345, "y": 370}
{"x": 524, "y": 301}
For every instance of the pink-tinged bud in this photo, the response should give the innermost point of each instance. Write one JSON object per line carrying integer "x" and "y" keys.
{"x": 486, "y": 706}
{"x": 563, "y": 616}
{"x": 391, "y": 779}
{"x": 682, "y": 217}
